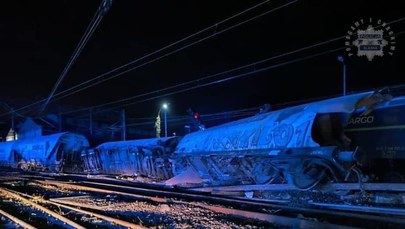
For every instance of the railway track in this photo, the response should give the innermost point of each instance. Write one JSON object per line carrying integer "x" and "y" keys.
{"x": 49, "y": 205}
{"x": 78, "y": 197}
{"x": 245, "y": 203}
{"x": 11, "y": 221}
{"x": 76, "y": 204}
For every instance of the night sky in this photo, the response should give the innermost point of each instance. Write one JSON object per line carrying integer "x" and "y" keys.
{"x": 37, "y": 39}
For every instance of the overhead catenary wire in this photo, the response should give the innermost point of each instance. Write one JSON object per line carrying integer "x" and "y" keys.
{"x": 200, "y": 85}
{"x": 99, "y": 79}
{"x": 189, "y": 45}
{"x": 98, "y": 16}
{"x": 256, "y": 63}
{"x": 251, "y": 65}
{"x": 162, "y": 49}
{"x": 224, "y": 72}
{"x": 232, "y": 77}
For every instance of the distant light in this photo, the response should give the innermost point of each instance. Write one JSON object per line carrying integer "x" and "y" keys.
{"x": 165, "y": 106}
{"x": 12, "y": 135}
{"x": 341, "y": 59}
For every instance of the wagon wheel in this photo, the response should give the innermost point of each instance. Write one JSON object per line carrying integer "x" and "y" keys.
{"x": 308, "y": 175}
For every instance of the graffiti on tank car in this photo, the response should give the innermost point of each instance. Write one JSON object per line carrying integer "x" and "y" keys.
{"x": 228, "y": 143}
{"x": 283, "y": 134}
{"x": 279, "y": 136}
{"x": 300, "y": 133}
{"x": 361, "y": 120}
{"x": 256, "y": 134}
{"x": 247, "y": 139}
{"x": 266, "y": 138}
{"x": 254, "y": 138}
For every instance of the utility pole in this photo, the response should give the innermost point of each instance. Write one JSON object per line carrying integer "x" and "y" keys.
{"x": 123, "y": 126}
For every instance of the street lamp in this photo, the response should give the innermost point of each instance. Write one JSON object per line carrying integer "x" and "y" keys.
{"x": 341, "y": 59}
{"x": 165, "y": 107}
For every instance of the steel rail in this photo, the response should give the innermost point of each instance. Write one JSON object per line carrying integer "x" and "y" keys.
{"x": 104, "y": 217}
{"x": 368, "y": 209}
{"x": 16, "y": 220}
{"x": 269, "y": 218}
{"x": 129, "y": 192}
{"x": 14, "y": 195}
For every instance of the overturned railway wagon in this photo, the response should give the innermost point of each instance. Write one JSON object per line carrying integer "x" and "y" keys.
{"x": 57, "y": 152}
{"x": 146, "y": 157}
{"x": 300, "y": 145}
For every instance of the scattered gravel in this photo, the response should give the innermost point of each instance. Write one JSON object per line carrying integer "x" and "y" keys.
{"x": 165, "y": 215}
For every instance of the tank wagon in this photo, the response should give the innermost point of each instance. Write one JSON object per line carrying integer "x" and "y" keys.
{"x": 57, "y": 152}
{"x": 146, "y": 157}
{"x": 301, "y": 145}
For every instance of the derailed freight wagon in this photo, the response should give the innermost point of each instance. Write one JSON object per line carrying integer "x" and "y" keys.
{"x": 300, "y": 145}
{"x": 145, "y": 157}
{"x": 381, "y": 135}
{"x": 57, "y": 152}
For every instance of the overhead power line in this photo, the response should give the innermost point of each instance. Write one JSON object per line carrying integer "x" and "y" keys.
{"x": 98, "y": 16}
{"x": 256, "y": 63}
{"x": 99, "y": 79}
{"x": 249, "y": 73}
{"x": 224, "y": 72}
{"x": 102, "y": 78}
{"x": 234, "y": 69}
{"x": 200, "y": 85}
{"x": 218, "y": 81}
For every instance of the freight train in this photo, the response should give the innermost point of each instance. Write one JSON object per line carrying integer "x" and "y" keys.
{"x": 355, "y": 138}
